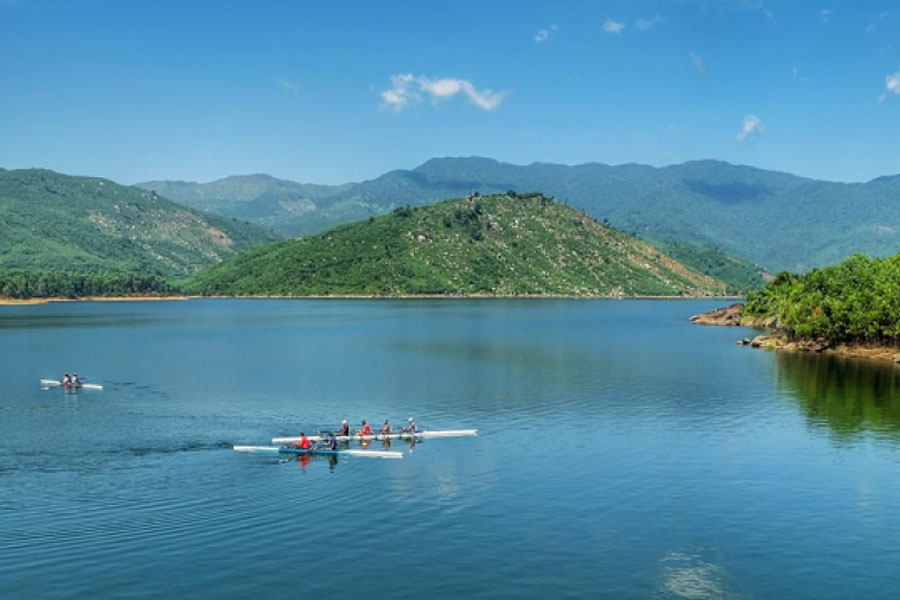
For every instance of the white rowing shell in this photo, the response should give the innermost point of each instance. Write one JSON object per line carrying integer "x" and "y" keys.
{"x": 358, "y": 453}
{"x": 380, "y": 437}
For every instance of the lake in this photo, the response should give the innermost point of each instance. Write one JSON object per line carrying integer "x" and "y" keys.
{"x": 622, "y": 453}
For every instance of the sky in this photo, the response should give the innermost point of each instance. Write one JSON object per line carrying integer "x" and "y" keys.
{"x": 337, "y": 91}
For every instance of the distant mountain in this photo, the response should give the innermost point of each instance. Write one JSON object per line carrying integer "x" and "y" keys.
{"x": 775, "y": 219}
{"x": 287, "y": 207}
{"x": 501, "y": 244}
{"x": 50, "y": 221}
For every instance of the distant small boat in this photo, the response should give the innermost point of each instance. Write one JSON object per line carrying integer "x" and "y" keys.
{"x": 325, "y": 451}
{"x": 49, "y": 383}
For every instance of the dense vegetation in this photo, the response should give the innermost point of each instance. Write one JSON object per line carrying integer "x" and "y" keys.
{"x": 504, "y": 244}
{"x": 56, "y": 284}
{"x": 738, "y": 275}
{"x": 55, "y": 222}
{"x": 857, "y": 300}
{"x": 773, "y": 219}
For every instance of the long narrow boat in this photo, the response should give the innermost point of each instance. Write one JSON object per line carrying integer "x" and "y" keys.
{"x": 49, "y": 383}
{"x": 421, "y": 435}
{"x": 325, "y": 451}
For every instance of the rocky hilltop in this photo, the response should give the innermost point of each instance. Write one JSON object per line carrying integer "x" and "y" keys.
{"x": 505, "y": 244}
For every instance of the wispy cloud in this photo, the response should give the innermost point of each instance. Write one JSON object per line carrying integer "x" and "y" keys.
{"x": 697, "y": 63}
{"x": 407, "y": 89}
{"x": 290, "y": 86}
{"x": 876, "y": 21}
{"x": 798, "y": 75}
{"x": 724, "y": 6}
{"x": 610, "y": 26}
{"x": 891, "y": 86}
{"x": 753, "y": 125}
{"x": 825, "y": 14}
{"x": 543, "y": 34}
{"x": 645, "y": 24}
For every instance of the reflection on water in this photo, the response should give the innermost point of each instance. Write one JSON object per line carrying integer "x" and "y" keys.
{"x": 849, "y": 396}
{"x": 688, "y": 576}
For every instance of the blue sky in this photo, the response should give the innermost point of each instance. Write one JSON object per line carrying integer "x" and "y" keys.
{"x": 336, "y": 91}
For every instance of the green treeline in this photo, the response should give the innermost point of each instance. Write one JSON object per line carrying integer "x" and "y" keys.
{"x": 61, "y": 284}
{"x": 857, "y": 300}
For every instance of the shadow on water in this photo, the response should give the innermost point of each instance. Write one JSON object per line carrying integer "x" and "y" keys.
{"x": 850, "y": 396}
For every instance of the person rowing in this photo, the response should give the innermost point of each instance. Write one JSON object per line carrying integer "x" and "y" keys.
{"x": 366, "y": 428}
{"x": 66, "y": 380}
{"x": 386, "y": 428}
{"x": 412, "y": 427}
{"x": 303, "y": 444}
{"x": 345, "y": 428}
{"x": 332, "y": 442}
{"x": 75, "y": 380}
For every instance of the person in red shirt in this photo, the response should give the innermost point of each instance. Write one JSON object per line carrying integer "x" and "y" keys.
{"x": 366, "y": 429}
{"x": 303, "y": 444}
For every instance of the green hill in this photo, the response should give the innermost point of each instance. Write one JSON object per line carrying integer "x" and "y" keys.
{"x": 504, "y": 245}
{"x": 773, "y": 219}
{"x": 857, "y": 301}
{"x": 55, "y": 222}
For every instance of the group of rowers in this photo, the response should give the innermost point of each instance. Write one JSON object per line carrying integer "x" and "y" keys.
{"x": 331, "y": 441}
{"x": 71, "y": 381}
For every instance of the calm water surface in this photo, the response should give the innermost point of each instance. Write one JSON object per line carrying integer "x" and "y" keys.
{"x": 622, "y": 453}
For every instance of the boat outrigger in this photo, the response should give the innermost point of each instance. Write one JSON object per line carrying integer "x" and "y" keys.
{"x": 419, "y": 435}
{"x": 325, "y": 451}
{"x": 49, "y": 383}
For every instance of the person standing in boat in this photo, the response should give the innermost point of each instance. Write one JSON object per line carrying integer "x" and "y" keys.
{"x": 303, "y": 444}
{"x": 386, "y": 428}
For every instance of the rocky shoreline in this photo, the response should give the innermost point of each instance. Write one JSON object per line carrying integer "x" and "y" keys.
{"x": 773, "y": 339}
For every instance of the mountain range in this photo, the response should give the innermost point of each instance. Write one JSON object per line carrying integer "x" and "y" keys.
{"x": 774, "y": 219}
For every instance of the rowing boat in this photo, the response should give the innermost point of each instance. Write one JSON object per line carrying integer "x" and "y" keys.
{"x": 420, "y": 435}
{"x": 325, "y": 451}
{"x": 49, "y": 383}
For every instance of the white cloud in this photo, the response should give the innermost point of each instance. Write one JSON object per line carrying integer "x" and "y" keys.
{"x": 753, "y": 125}
{"x": 825, "y": 14}
{"x": 697, "y": 63}
{"x": 643, "y": 24}
{"x": 611, "y": 26}
{"x": 290, "y": 86}
{"x": 543, "y": 34}
{"x": 407, "y": 89}
{"x": 891, "y": 86}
